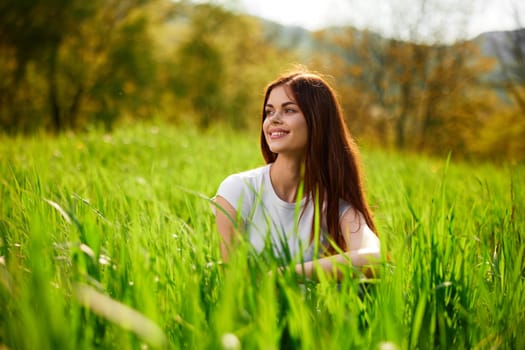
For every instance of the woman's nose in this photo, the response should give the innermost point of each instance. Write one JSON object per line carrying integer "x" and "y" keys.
{"x": 276, "y": 117}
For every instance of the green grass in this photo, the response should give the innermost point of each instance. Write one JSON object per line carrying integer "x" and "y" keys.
{"x": 108, "y": 241}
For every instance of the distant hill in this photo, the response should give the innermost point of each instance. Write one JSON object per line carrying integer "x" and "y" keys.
{"x": 501, "y": 45}
{"x": 293, "y": 37}
{"x": 508, "y": 48}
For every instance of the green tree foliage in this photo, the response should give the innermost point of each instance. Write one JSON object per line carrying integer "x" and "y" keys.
{"x": 200, "y": 67}
{"x": 30, "y": 33}
{"x": 222, "y": 66}
{"x": 70, "y": 61}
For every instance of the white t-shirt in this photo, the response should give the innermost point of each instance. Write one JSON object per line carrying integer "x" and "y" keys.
{"x": 270, "y": 220}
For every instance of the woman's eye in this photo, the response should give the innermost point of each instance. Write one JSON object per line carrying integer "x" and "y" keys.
{"x": 268, "y": 112}
{"x": 289, "y": 110}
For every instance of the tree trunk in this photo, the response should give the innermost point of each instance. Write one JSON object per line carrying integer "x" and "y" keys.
{"x": 75, "y": 107}
{"x": 54, "y": 103}
{"x": 403, "y": 115}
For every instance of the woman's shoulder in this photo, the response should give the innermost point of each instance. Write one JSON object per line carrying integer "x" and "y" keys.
{"x": 244, "y": 181}
{"x": 242, "y": 186}
{"x": 248, "y": 175}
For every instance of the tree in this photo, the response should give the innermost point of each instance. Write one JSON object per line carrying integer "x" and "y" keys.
{"x": 222, "y": 66}
{"x": 30, "y": 31}
{"x": 404, "y": 92}
{"x": 87, "y": 56}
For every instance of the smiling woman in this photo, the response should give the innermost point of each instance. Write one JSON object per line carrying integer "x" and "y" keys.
{"x": 306, "y": 205}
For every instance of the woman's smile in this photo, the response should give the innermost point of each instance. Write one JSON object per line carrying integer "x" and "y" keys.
{"x": 277, "y": 133}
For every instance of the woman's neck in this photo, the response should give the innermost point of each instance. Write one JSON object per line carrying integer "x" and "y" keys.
{"x": 285, "y": 175}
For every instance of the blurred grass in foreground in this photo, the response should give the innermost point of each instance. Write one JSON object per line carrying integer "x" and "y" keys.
{"x": 108, "y": 241}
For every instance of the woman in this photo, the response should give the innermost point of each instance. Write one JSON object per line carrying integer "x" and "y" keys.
{"x": 312, "y": 166}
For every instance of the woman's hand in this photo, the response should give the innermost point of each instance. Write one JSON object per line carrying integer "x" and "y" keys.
{"x": 363, "y": 251}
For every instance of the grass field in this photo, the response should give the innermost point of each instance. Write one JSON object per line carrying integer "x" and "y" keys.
{"x": 108, "y": 241}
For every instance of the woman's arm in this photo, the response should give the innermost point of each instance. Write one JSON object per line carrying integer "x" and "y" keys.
{"x": 225, "y": 214}
{"x": 363, "y": 248}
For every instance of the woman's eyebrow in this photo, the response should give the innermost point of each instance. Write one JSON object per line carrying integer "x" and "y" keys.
{"x": 282, "y": 105}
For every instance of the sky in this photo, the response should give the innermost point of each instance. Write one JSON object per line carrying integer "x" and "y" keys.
{"x": 444, "y": 24}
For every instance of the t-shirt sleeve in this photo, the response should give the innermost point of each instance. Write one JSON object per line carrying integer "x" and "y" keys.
{"x": 235, "y": 190}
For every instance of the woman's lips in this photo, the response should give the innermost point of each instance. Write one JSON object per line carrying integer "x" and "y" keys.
{"x": 277, "y": 133}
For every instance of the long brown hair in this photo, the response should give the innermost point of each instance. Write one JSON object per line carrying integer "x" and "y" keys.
{"x": 332, "y": 164}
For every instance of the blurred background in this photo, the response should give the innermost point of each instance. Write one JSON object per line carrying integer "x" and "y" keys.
{"x": 428, "y": 76}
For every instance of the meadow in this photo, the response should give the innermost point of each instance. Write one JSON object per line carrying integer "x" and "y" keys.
{"x": 108, "y": 241}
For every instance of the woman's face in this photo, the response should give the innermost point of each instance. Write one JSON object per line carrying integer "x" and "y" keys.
{"x": 284, "y": 126}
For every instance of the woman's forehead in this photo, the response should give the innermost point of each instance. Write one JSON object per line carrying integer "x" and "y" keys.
{"x": 281, "y": 92}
